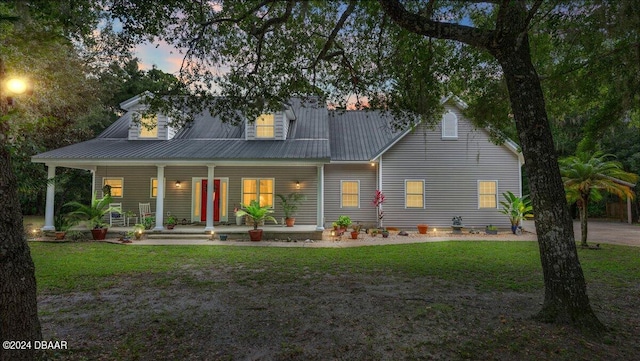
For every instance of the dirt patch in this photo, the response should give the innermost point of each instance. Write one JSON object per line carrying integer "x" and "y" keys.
{"x": 235, "y": 313}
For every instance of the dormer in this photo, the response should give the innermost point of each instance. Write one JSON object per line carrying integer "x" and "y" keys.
{"x": 144, "y": 126}
{"x": 270, "y": 126}
{"x": 150, "y": 126}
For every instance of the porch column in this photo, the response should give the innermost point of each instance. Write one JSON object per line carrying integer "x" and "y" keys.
{"x": 160, "y": 200}
{"x": 210, "y": 195}
{"x": 50, "y": 200}
{"x": 380, "y": 189}
{"x": 320, "y": 205}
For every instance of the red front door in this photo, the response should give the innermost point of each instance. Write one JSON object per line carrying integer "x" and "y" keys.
{"x": 216, "y": 200}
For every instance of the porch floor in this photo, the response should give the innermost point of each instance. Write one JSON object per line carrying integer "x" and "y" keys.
{"x": 270, "y": 232}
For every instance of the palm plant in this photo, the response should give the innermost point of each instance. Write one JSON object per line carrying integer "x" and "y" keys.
{"x": 516, "y": 208}
{"x": 93, "y": 213}
{"x": 257, "y": 213}
{"x": 587, "y": 176}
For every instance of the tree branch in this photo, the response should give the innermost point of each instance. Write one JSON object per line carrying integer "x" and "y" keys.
{"x": 267, "y": 27}
{"x": 334, "y": 33}
{"x": 425, "y": 26}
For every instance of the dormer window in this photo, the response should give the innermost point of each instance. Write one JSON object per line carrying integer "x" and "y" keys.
{"x": 265, "y": 126}
{"x": 149, "y": 126}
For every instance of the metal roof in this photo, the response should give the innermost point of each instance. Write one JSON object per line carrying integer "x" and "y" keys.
{"x": 359, "y": 135}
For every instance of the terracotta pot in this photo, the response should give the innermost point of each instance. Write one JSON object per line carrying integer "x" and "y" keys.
{"x": 171, "y": 226}
{"x": 354, "y": 235}
{"x": 60, "y": 235}
{"x": 290, "y": 221}
{"x": 422, "y": 228}
{"x": 255, "y": 235}
{"x": 99, "y": 234}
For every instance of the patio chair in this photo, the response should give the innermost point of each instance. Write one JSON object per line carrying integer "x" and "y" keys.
{"x": 116, "y": 217}
{"x": 145, "y": 211}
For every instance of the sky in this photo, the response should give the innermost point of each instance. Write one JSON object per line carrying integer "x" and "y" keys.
{"x": 160, "y": 54}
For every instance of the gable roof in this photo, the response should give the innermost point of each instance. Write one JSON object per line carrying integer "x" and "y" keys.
{"x": 316, "y": 135}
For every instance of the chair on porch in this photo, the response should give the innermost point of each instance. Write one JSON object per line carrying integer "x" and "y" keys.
{"x": 145, "y": 211}
{"x": 116, "y": 217}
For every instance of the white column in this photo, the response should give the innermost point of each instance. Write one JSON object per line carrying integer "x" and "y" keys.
{"x": 160, "y": 200}
{"x": 380, "y": 186}
{"x": 210, "y": 189}
{"x": 50, "y": 200}
{"x": 320, "y": 206}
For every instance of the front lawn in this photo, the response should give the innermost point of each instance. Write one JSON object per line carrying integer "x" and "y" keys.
{"x": 445, "y": 300}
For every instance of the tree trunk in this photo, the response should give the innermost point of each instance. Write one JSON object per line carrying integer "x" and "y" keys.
{"x": 18, "y": 303}
{"x": 565, "y": 299}
{"x": 583, "y": 222}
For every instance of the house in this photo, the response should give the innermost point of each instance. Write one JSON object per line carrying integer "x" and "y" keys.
{"x": 337, "y": 158}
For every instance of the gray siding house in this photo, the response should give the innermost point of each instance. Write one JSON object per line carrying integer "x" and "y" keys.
{"x": 337, "y": 159}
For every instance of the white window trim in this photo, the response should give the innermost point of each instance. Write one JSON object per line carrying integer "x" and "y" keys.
{"x": 256, "y": 126}
{"x": 151, "y": 188}
{"x": 121, "y": 180}
{"x": 455, "y": 118}
{"x": 424, "y": 201}
{"x": 478, "y": 193}
{"x": 142, "y": 128}
{"x": 273, "y": 180}
{"x": 341, "y": 193}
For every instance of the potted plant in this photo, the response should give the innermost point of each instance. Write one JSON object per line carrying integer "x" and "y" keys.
{"x": 290, "y": 206}
{"x": 62, "y": 224}
{"x": 258, "y": 214}
{"x": 171, "y": 222}
{"x": 148, "y": 222}
{"x": 94, "y": 214}
{"x": 343, "y": 222}
{"x": 385, "y": 233}
{"x": 491, "y": 229}
{"x": 422, "y": 228}
{"x": 516, "y": 208}
{"x": 355, "y": 231}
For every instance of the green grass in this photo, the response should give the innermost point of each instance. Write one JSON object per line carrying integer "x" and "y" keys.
{"x": 487, "y": 266}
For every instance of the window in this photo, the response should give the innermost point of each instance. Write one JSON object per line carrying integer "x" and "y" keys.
{"x": 414, "y": 193}
{"x": 487, "y": 194}
{"x": 265, "y": 126}
{"x": 154, "y": 187}
{"x": 449, "y": 125}
{"x": 115, "y": 185}
{"x": 149, "y": 127}
{"x": 350, "y": 194}
{"x": 260, "y": 189}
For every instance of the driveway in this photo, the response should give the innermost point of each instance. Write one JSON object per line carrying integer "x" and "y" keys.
{"x": 612, "y": 232}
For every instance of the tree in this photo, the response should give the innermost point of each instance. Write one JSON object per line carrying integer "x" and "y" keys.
{"x": 386, "y": 55}
{"x": 48, "y": 28}
{"x": 586, "y": 176}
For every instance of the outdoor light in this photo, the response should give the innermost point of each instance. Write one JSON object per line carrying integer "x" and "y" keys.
{"x": 177, "y": 184}
{"x": 297, "y": 185}
{"x": 16, "y": 86}
{"x": 212, "y": 234}
{"x": 373, "y": 164}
